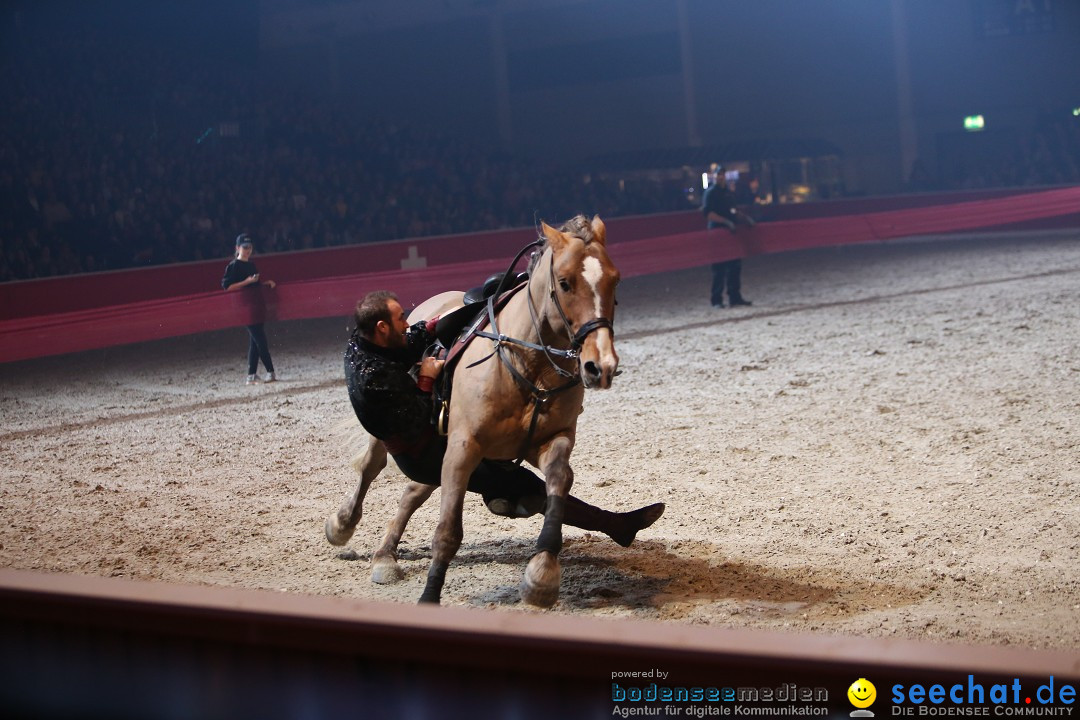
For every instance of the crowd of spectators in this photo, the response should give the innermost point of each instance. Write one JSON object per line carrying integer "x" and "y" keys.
{"x": 1046, "y": 154}
{"x": 117, "y": 155}
{"x": 125, "y": 156}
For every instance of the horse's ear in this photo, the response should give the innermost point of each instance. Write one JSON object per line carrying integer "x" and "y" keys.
{"x": 555, "y": 238}
{"x": 599, "y": 230}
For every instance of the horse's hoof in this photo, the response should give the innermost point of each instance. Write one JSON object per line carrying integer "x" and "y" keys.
{"x": 335, "y": 534}
{"x": 386, "y": 571}
{"x": 540, "y": 583}
{"x": 538, "y": 597}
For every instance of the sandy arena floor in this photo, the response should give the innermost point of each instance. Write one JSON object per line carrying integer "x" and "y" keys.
{"x": 886, "y": 444}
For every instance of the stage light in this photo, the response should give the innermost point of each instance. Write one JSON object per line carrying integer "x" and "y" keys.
{"x": 974, "y": 123}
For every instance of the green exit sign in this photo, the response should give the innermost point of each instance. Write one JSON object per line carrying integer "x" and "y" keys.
{"x": 974, "y": 123}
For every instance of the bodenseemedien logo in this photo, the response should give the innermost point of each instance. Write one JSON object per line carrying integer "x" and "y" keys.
{"x": 862, "y": 694}
{"x": 784, "y": 700}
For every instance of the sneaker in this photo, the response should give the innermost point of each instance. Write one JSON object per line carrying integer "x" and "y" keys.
{"x": 251, "y": 380}
{"x": 735, "y": 302}
{"x": 270, "y": 377}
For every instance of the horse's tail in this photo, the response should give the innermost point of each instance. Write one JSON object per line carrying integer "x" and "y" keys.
{"x": 351, "y": 435}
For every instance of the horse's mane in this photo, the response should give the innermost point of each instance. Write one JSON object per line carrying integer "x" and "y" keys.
{"x": 578, "y": 226}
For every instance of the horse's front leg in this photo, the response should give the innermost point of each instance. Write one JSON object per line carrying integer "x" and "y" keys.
{"x": 462, "y": 457}
{"x": 540, "y": 584}
{"x": 340, "y": 526}
{"x": 384, "y": 563}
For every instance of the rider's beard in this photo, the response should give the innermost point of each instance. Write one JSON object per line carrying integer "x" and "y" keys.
{"x": 396, "y": 339}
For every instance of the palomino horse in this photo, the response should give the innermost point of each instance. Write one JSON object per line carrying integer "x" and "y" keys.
{"x": 517, "y": 394}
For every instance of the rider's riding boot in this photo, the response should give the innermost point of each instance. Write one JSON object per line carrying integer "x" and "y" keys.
{"x": 620, "y": 527}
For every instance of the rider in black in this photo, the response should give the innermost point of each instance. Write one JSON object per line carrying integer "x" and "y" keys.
{"x": 397, "y": 409}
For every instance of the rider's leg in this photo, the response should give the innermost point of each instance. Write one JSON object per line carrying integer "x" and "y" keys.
{"x": 513, "y": 491}
{"x": 620, "y": 527}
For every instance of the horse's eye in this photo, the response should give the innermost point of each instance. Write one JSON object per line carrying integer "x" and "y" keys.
{"x": 564, "y": 285}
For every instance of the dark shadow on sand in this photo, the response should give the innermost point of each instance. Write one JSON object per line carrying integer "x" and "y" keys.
{"x": 598, "y": 574}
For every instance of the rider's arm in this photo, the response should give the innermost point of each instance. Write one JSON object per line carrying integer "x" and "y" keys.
{"x": 430, "y": 368}
{"x": 419, "y": 337}
{"x": 391, "y": 401}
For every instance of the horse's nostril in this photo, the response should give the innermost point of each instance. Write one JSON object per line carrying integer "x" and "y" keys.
{"x": 591, "y": 370}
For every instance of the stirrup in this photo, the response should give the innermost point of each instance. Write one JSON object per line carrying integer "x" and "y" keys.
{"x": 443, "y": 424}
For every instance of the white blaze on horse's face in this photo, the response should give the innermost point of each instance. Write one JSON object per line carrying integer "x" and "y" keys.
{"x": 599, "y": 361}
{"x": 586, "y": 279}
{"x": 593, "y": 272}
{"x": 599, "y": 374}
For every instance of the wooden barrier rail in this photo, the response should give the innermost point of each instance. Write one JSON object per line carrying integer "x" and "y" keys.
{"x": 75, "y": 646}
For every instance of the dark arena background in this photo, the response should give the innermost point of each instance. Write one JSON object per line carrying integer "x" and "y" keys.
{"x": 870, "y": 473}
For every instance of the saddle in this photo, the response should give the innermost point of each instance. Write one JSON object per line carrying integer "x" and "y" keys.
{"x": 453, "y": 324}
{"x": 455, "y": 330}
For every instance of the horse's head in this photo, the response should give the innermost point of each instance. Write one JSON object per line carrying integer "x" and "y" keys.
{"x": 582, "y": 290}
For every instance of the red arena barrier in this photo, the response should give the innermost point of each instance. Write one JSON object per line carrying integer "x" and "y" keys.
{"x": 69, "y": 314}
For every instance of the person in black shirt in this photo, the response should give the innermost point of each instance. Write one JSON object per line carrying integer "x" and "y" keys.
{"x": 242, "y": 276}
{"x": 397, "y": 409}
{"x": 719, "y": 207}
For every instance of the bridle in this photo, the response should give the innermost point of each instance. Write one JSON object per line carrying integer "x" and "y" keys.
{"x": 577, "y": 339}
{"x": 540, "y": 396}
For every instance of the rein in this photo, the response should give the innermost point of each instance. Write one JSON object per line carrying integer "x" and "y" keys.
{"x": 539, "y": 395}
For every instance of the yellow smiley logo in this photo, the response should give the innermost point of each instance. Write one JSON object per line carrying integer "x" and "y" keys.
{"x": 862, "y": 693}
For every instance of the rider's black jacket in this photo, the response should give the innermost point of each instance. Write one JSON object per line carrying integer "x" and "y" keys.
{"x": 384, "y": 395}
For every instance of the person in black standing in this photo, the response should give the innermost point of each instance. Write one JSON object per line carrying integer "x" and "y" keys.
{"x": 242, "y": 276}
{"x": 719, "y": 207}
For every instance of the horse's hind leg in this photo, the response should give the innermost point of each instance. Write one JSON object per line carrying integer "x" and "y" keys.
{"x": 341, "y": 525}
{"x": 384, "y": 565}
